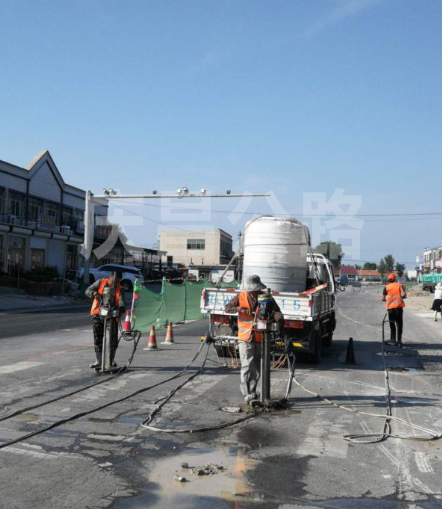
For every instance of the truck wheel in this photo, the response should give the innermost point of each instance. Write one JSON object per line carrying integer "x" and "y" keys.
{"x": 333, "y": 321}
{"x": 315, "y": 357}
{"x": 327, "y": 340}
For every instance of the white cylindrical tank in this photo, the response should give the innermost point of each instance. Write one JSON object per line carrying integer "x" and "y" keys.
{"x": 275, "y": 249}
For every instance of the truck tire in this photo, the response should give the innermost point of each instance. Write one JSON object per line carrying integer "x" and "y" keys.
{"x": 315, "y": 357}
{"x": 327, "y": 340}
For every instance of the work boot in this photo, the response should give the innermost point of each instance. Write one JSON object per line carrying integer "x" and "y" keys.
{"x": 97, "y": 363}
{"x": 249, "y": 398}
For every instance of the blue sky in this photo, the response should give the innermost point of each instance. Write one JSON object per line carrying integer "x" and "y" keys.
{"x": 289, "y": 96}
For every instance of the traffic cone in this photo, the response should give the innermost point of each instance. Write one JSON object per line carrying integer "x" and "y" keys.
{"x": 127, "y": 325}
{"x": 152, "y": 339}
{"x": 169, "y": 336}
{"x": 350, "y": 359}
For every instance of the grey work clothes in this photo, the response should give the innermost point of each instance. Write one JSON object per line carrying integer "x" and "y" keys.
{"x": 250, "y": 355}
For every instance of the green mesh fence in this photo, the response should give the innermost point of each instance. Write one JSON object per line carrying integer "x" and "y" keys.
{"x": 174, "y": 298}
{"x": 175, "y": 303}
{"x": 193, "y": 300}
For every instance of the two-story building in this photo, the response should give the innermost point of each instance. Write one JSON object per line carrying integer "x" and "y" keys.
{"x": 197, "y": 248}
{"x": 41, "y": 217}
{"x": 432, "y": 260}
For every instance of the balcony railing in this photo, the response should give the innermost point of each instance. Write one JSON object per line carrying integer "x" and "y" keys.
{"x": 47, "y": 224}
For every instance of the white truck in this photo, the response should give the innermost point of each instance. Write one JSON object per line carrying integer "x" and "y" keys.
{"x": 309, "y": 315}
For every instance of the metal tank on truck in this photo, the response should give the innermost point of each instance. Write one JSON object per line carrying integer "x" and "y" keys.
{"x": 276, "y": 249}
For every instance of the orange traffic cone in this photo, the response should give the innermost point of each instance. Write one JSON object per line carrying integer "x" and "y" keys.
{"x": 127, "y": 325}
{"x": 152, "y": 339}
{"x": 169, "y": 335}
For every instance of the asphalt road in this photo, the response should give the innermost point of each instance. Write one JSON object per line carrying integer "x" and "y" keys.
{"x": 30, "y": 322}
{"x": 295, "y": 458}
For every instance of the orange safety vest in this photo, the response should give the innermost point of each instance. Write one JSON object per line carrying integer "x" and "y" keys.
{"x": 394, "y": 297}
{"x": 95, "y": 309}
{"x": 245, "y": 322}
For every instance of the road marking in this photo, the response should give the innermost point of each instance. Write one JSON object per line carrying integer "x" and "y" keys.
{"x": 19, "y": 366}
{"x": 423, "y": 463}
{"x": 57, "y": 353}
{"x": 110, "y": 438}
{"x": 324, "y": 437}
{"x": 100, "y": 391}
{"x": 358, "y": 322}
{"x": 425, "y": 315}
{"x": 40, "y": 454}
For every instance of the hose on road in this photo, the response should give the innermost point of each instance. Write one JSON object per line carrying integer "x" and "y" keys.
{"x": 165, "y": 399}
{"x": 362, "y": 438}
{"x": 132, "y": 336}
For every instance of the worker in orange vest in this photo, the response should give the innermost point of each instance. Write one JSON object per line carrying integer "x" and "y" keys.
{"x": 393, "y": 295}
{"x": 249, "y": 344}
{"x": 96, "y": 291}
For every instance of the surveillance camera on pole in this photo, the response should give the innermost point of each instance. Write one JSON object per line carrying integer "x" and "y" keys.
{"x": 111, "y": 194}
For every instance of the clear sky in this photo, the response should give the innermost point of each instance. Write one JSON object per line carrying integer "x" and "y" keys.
{"x": 289, "y": 96}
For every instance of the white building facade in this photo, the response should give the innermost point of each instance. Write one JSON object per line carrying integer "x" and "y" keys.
{"x": 197, "y": 248}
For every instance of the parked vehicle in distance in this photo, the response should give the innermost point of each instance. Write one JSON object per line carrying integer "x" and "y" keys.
{"x": 428, "y": 287}
{"x": 130, "y": 274}
{"x": 343, "y": 280}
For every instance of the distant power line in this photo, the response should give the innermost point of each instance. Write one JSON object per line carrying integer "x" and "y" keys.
{"x": 391, "y": 216}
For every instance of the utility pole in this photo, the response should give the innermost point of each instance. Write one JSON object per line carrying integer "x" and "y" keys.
{"x": 111, "y": 194}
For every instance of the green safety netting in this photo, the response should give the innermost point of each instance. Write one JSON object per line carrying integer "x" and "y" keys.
{"x": 175, "y": 303}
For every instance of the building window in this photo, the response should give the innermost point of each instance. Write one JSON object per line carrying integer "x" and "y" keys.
{"x": 35, "y": 208}
{"x": 226, "y": 249}
{"x": 68, "y": 217}
{"x": 199, "y": 244}
{"x": 17, "y": 252}
{"x": 3, "y": 204}
{"x": 52, "y": 210}
{"x": 37, "y": 258}
{"x": 16, "y": 204}
{"x": 2, "y": 252}
{"x": 71, "y": 258}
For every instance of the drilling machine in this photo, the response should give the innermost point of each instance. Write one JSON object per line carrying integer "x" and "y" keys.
{"x": 270, "y": 330}
{"x": 109, "y": 313}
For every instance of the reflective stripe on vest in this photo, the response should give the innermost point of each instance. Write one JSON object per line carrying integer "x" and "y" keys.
{"x": 95, "y": 309}
{"x": 245, "y": 322}
{"x": 394, "y": 296}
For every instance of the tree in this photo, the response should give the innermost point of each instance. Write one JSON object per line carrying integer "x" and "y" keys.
{"x": 369, "y": 266}
{"x": 357, "y": 267}
{"x": 332, "y": 251}
{"x": 400, "y": 268}
{"x": 382, "y": 268}
{"x": 389, "y": 262}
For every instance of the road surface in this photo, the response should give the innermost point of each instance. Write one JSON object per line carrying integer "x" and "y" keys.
{"x": 295, "y": 458}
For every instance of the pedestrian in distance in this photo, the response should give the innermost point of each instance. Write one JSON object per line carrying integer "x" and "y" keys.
{"x": 249, "y": 340}
{"x": 393, "y": 295}
{"x": 111, "y": 286}
{"x": 437, "y": 302}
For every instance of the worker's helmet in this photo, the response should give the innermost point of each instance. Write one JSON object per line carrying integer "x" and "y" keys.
{"x": 253, "y": 284}
{"x": 391, "y": 277}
